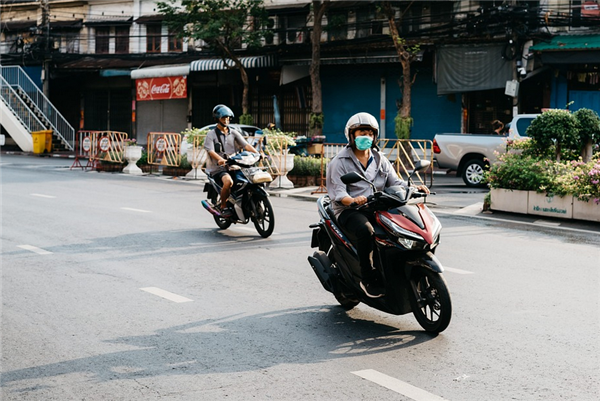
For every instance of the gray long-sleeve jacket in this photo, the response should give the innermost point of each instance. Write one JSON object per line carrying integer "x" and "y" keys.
{"x": 380, "y": 172}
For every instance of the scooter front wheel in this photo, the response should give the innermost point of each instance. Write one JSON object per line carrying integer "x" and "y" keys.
{"x": 430, "y": 301}
{"x": 264, "y": 219}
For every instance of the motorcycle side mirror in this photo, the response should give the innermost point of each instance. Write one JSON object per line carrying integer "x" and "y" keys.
{"x": 420, "y": 165}
{"x": 354, "y": 177}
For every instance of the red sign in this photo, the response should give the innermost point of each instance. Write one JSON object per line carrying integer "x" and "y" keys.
{"x": 161, "y": 88}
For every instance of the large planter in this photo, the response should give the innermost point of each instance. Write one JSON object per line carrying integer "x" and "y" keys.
{"x": 550, "y": 205}
{"x": 508, "y": 200}
{"x": 132, "y": 154}
{"x": 197, "y": 158}
{"x": 589, "y": 211}
{"x": 283, "y": 163}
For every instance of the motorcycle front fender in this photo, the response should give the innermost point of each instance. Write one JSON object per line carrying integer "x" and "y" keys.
{"x": 428, "y": 260}
{"x": 260, "y": 190}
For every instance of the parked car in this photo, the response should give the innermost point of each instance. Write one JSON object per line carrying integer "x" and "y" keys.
{"x": 471, "y": 154}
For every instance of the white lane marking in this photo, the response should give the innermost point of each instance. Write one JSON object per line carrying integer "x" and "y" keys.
{"x": 457, "y": 271}
{"x": 166, "y": 294}
{"x": 398, "y": 386}
{"x": 43, "y": 196}
{"x": 35, "y": 249}
{"x": 136, "y": 210}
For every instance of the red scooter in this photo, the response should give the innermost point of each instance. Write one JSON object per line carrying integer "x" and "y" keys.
{"x": 406, "y": 237}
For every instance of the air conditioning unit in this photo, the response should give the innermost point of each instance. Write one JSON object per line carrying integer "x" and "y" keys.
{"x": 272, "y": 37}
{"x": 294, "y": 36}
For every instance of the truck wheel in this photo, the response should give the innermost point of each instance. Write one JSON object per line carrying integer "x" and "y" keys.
{"x": 473, "y": 173}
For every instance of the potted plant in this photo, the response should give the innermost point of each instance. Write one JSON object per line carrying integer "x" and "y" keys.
{"x": 275, "y": 144}
{"x": 307, "y": 170}
{"x": 132, "y": 153}
{"x": 196, "y": 154}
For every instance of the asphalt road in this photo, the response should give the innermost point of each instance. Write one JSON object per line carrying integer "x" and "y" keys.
{"x": 122, "y": 288}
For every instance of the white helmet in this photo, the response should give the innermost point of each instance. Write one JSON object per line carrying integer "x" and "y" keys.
{"x": 361, "y": 120}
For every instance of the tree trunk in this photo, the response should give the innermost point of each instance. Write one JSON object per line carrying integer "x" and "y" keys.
{"x": 319, "y": 9}
{"x": 245, "y": 91}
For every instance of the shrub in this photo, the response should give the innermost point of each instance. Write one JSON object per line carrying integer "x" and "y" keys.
{"x": 275, "y": 139}
{"x": 585, "y": 179}
{"x": 309, "y": 166}
{"x": 194, "y": 134}
{"x": 589, "y": 131}
{"x": 555, "y": 131}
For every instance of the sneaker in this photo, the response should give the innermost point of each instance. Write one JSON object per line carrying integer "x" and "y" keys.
{"x": 372, "y": 289}
{"x": 226, "y": 213}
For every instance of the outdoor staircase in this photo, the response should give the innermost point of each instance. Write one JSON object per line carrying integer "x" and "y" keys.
{"x": 25, "y": 109}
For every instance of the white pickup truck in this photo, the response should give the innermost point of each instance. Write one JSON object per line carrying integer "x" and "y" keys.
{"x": 471, "y": 154}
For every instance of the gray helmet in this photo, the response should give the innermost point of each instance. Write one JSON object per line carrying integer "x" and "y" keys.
{"x": 361, "y": 120}
{"x": 221, "y": 111}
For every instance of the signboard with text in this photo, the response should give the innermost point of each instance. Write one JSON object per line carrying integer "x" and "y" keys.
{"x": 161, "y": 88}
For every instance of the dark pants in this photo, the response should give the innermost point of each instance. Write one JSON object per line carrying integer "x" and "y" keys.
{"x": 360, "y": 231}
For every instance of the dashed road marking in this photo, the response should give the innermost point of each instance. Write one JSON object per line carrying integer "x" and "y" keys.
{"x": 136, "y": 210}
{"x": 457, "y": 271}
{"x": 34, "y": 249}
{"x": 249, "y": 229}
{"x": 398, "y": 386}
{"x": 166, "y": 294}
{"x": 44, "y": 196}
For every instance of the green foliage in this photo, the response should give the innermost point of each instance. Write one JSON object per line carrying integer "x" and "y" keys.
{"x": 184, "y": 163}
{"x": 308, "y": 166}
{"x": 316, "y": 120}
{"x": 246, "y": 119}
{"x": 143, "y": 161}
{"x": 403, "y": 126}
{"x": 190, "y": 135}
{"x": 519, "y": 170}
{"x": 275, "y": 139}
{"x": 555, "y": 131}
{"x": 222, "y": 24}
{"x": 589, "y": 125}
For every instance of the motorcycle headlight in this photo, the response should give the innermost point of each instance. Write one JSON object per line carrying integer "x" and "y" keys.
{"x": 407, "y": 239}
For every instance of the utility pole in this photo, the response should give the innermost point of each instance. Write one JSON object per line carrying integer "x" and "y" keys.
{"x": 45, "y": 25}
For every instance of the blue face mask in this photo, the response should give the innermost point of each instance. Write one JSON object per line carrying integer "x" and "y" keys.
{"x": 363, "y": 142}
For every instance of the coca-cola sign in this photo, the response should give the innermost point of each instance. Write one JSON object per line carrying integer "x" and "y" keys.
{"x": 161, "y": 88}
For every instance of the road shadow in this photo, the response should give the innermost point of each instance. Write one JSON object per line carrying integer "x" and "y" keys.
{"x": 239, "y": 343}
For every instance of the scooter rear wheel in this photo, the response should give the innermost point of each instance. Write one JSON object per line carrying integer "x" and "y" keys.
{"x": 431, "y": 303}
{"x": 222, "y": 223}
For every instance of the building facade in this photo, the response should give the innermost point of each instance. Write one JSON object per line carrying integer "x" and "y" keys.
{"x": 99, "y": 62}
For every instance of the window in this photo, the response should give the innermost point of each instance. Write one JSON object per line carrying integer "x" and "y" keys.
{"x": 175, "y": 43}
{"x": 122, "y": 39}
{"x": 337, "y": 25}
{"x": 153, "y": 38}
{"x": 102, "y": 40}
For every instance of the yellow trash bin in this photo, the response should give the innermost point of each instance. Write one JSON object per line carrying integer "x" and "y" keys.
{"x": 48, "y": 141}
{"x": 39, "y": 141}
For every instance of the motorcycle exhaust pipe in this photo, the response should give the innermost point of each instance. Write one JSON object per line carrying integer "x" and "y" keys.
{"x": 210, "y": 209}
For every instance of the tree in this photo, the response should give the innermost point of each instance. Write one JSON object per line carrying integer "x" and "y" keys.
{"x": 554, "y": 129}
{"x": 316, "y": 115}
{"x": 224, "y": 25}
{"x": 589, "y": 131}
{"x": 407, "y": 53}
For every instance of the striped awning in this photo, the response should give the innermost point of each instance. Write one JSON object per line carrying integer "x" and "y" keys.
{"x": 217, "y": 63}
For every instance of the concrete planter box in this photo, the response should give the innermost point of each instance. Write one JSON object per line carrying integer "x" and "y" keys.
{"x": 550, "y": 205}
{"x": 507, "y": 200}
{"x": 586, "y": 210}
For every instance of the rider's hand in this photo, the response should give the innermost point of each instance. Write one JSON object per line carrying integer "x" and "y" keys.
{"x": 221, "y": 162}
{"x": 423, "y": 188}
{"x": 360, "y": 200}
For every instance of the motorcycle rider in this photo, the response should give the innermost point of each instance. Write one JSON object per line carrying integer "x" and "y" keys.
{"x": 231, "y": 141}
{"x": 361, "y": 155}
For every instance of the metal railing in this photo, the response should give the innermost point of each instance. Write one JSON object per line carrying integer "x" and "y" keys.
{"x": 19, "y": 108}
{"x": 19, "y": 80}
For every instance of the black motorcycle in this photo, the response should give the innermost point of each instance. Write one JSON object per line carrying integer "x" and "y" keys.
{"x": 248, "y": 200}
{"x": 406, "y": 237}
